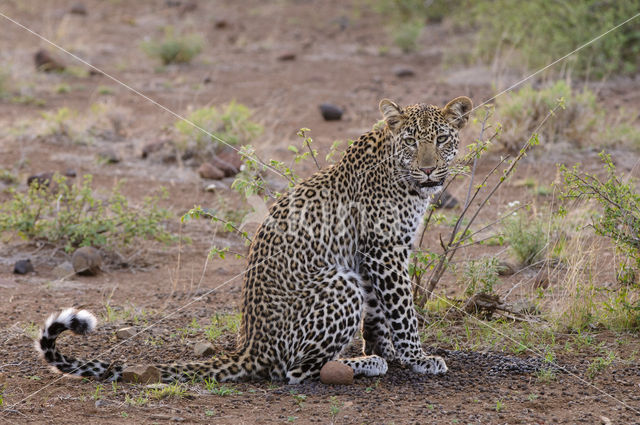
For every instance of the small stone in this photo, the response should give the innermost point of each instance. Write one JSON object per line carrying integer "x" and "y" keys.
{"x": 336, "y": 373}
{"x": 152, "y": 147}
{"x": 331, "y": 112}
{"x": 141, "y": 374}
{"x": 78, "y": 9}
{"x": 403, "y": 71}
{"x": 46, "y": 63}
{"x": 43, "y": 179}
{"x": 210, "y": 188}
{"x": 63, "y": 270}
{"x": 227, "y": 168}
{"x": 286, "y": 56}
{"x": 506, "y": 268}
{"x": 101, "y": 403}
{"x": 542, "y": 279}
{"x": 125, "y": 333}
{"x": 23, "y": 267}
{"x": 203, "y": 349}
{"x": 231, "y": 157}
{"x": 210, "y": 171}
{"x": 207, "y": 80}
{"x": 109, "y": 157}
{"x": 87, "y": 261}
{"x": 221, "y": 24}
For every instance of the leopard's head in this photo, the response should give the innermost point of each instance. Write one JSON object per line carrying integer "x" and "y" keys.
{"x": 425, "y": 139}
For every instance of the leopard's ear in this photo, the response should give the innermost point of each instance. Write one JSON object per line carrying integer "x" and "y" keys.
{"x": 457, "y": 111}
{"x": 391, "y": 113}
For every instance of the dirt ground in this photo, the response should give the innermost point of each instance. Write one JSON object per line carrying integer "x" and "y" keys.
{"x": 342, "y": 56}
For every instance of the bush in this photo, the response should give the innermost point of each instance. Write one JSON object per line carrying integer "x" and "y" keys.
{"x": 174, "y": 48}
{"x": 72, "y": 215}
{"x": 559, "y": 27}
{"x": 620, "y": 203}
{"x": 526, "y": 237}
{"x": 582, "y": 121}
{"x": 231, "y": 124}
{"x": 481, "y": 276}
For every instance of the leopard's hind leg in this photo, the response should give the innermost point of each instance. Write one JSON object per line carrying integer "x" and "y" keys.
{"x": 333, "y": 318}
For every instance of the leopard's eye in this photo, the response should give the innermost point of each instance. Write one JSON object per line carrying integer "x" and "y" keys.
{"x": 441, "y": 139}
{"x": 410, "y": 141}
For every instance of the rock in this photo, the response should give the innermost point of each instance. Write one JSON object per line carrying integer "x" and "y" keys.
{"x": 331, "y": 112}
{"x": 43, "y": 179}
{"x": 46, "y": 63}
{"x": 87, "y": 261}
{"x": 231, "y": 157}
{"x": 506, "y": 269}
{"x": 210, "y": 188}
{"x": 23, "y": 267}
{"x": 286, "y": 56}
{"x": 445, "y": 200}
{"x": 203, "y": 349}
{"x": 221, "y": 24}
{"x": 336, "y": 373}
{"x": 210, "y": 171}
{"x": 207, "y": 80}
{"x": 141, "y": 374}
{"x": 403, "y": 71}
{"x": 152, "y": 147}
{"x": 63, "y": 270}
{"x": 78, "y": 9}
{"x": 227, "y": 168}
{"x": 542, "y": 279}
{"x": 126, "y": 333}
{"x": 71, "y": 173}
{"x": 101, "y": 403}
{"x": 109, "y": 157}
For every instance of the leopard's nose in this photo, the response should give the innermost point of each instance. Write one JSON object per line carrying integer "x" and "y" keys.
{"x": 428, "y": 170}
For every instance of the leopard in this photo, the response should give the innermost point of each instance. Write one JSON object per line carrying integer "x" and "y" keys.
{"x": 329, "y": 260}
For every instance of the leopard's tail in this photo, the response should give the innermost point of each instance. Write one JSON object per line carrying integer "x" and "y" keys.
{"x": 228, "y": 367}
{"x": 80, "y": 322}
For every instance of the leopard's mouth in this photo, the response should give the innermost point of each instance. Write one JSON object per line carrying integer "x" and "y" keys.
{"x": 432, "y": 183}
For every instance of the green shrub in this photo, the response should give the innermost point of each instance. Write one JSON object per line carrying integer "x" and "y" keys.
{"x": 506, "y": 27}
{"x": 73, "y": 215}
{"x": 582, "y": 121}
{"x": 527, "y": 237}
{"x": 620, "y": 202}
{"x": 230, "y": 123}
{"x": 174, "y": 48}
{"x": 480, "y": 275}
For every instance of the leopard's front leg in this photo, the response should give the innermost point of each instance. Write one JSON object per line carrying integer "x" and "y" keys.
{"x": 390, "y": 277}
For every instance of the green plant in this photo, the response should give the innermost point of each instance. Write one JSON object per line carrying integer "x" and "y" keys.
{"x": 580, "y": 122}
{"x": 499, "y": 406}
{"x": 174, "y": 48}
{"x": 505, "y": 31}
{"x": 223, "y": 323}
{"x": 619, "y": 200}
{"x": 481, "y": 275}
{"x": 599, "y": 364}
{"x": 7, "y": 176}
{"x": 527, "y": 237}
{"x": 218, "y": 389}
{"x": 97, "y": 394}
{"x": 69, "y": 216}
{"x": 175, "y": 389}
{"x": 230, "y": 124}
{"x": 298, "y": 398}
{"x": 335, "y": 406}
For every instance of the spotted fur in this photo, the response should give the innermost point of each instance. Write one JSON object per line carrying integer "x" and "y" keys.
{"x": 331, "y": 258}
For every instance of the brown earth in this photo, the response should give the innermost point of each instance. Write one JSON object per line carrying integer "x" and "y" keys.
{"x": 339, "y": 56}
